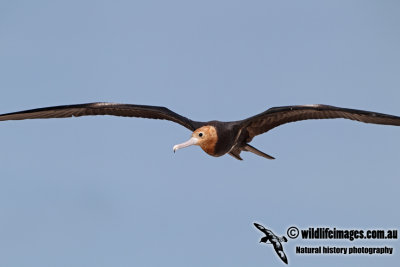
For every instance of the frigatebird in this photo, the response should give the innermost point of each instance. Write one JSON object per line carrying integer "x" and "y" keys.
{"x": 216, "y": 138}
{"x": 274, "y": 240}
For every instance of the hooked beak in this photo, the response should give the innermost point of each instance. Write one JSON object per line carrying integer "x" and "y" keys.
{"x": 191, "y": 141}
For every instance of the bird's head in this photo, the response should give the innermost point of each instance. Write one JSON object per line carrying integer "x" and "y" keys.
{"x": 206, "y": 137}
{"x": 264, "y": 239}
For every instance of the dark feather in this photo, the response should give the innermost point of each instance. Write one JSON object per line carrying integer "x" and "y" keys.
{"x": 274, "y": 117}
{"x": 114, "y": 109}
{"x": 281, "y": 255}
{"x": 260, "y": 227}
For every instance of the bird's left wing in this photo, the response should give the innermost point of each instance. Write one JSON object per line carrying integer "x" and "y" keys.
{"x": 114, "y": 109}
{"x": 274, "y": 117}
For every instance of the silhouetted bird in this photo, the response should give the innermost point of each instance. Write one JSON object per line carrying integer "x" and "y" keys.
{"x": 274, "y": 240}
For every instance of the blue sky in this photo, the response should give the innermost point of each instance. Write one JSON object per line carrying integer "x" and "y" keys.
{"x": 108, "y": 191}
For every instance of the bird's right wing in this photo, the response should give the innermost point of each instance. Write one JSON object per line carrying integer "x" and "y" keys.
{"x": 114, "y": 109}
{"x": 281, "y": 254}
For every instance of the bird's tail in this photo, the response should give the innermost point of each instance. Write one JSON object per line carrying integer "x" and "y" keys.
{"x": 254, "y": 150}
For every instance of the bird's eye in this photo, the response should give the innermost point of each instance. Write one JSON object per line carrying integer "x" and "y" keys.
{"x": 200, "y": 134}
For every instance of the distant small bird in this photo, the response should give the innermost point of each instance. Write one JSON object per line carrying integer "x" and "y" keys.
{"x": 216, "y": 138}
{"x": 274, "y": 240}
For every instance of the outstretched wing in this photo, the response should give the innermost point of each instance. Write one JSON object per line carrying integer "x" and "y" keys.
{"x": 261, "y": 228}
{"x": 114, "y": 109}
{"x": 279, "y": 251}
{"x": 274, "y": 117}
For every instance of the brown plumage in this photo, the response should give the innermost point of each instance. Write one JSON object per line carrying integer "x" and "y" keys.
{"x": 214, "y": 137}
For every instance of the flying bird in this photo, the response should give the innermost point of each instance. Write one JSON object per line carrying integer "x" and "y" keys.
{"x": 274, "y": 240}
{"x": 216, "y": 138}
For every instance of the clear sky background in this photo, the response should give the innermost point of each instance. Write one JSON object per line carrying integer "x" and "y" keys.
{"x": 109, "y": 191}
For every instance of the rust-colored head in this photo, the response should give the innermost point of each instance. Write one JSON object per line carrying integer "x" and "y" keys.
{"x": 206, "y": 137}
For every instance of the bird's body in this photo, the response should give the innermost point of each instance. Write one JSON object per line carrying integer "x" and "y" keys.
{"x": 216, "y": 138}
